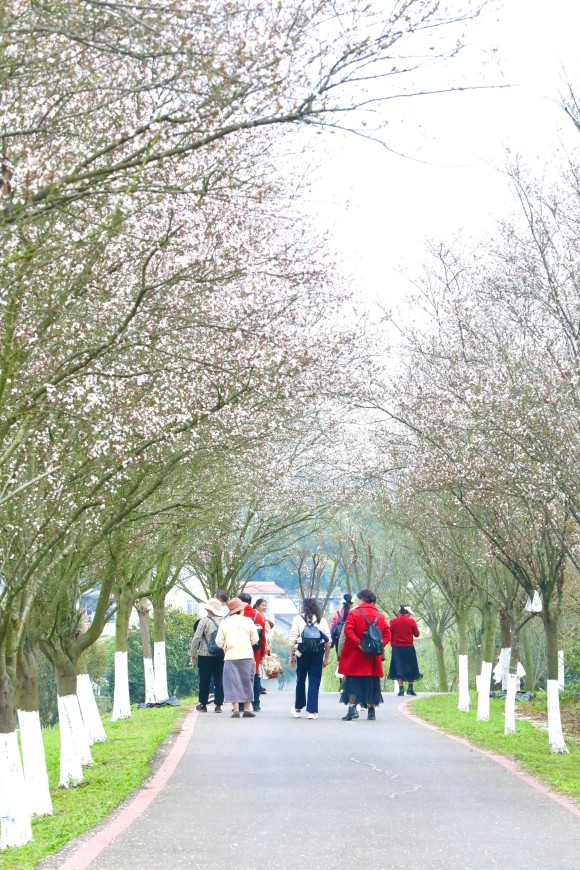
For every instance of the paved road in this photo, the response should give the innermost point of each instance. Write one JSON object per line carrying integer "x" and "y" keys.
{"x": 276, "y": 792}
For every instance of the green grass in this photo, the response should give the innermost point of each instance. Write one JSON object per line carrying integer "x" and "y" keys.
{"x": 528, "y": 746}
{"x": 120, "y": 765}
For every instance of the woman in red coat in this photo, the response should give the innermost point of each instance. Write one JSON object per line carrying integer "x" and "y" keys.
{"x": 362, "y": 672}
{"x": 403, "y": 656}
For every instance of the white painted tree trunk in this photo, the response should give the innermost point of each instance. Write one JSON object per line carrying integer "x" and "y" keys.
{"x": 510, "y": 705}
{"x": 555, "y": 734}
{"x": 483, "y": 692}
{"x": 16, "y": 829}
{"x": 504, "y": 663}
{"x": 463, "y": 702}
{"x": 150, "y": 696}
{"x": 121, "y": 702}
{"x": 561, "y": 669}
{"x": 395, "y": 687}
{"x": 81, "y": 733}
{"x": 89, "y": 710}
{"x": 160, "y": 666}
{"x": 34, "y": 762}
{"x": 72, "y": 737}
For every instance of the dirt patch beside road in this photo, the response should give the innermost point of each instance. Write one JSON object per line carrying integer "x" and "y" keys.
{"x": 570, "y": 717}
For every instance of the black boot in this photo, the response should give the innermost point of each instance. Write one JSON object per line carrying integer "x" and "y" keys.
{"x": 352, "y": 714}
{"x": 410, "y": 690}
{"x": 401, "y": 692}
{"x": 371, "y": 713}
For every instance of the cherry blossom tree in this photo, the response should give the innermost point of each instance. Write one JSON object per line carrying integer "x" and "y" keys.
{"x": 489, "y": 393}
{"x": 146, "y": 313}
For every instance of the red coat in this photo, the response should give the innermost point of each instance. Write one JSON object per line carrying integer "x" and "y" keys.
{"x": 353, "y": 661}
{"x": 403, "y": 629}
{"x": 258, "y": 618}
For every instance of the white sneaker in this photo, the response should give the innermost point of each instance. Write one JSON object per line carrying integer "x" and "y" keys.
{"x": 312, "y": 716}
{"x": 294, "y": 712}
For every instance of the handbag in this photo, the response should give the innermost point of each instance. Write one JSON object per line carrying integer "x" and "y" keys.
{"x": 272, "y": 666}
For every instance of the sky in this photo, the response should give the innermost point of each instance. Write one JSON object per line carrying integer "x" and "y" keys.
{"x": 379, "y": 208}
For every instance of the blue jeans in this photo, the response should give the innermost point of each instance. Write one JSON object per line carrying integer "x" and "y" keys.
{"x": 308, "y": 666}
{"x": 257, "y": 692}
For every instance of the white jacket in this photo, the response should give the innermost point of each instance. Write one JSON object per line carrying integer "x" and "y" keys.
{"x": 297, "y": 628}
{"x": 236, "y": 635}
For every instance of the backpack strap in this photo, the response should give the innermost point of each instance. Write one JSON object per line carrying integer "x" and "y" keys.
{"x": 369, "y": 623}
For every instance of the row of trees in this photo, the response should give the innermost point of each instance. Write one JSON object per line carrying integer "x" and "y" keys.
{"x": 483, "y": 427}
{"x": 172, "y": 340}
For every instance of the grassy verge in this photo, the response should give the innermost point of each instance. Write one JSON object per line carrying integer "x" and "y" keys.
{"x": 528, "y": 746}
{"x": 120, "y": 765}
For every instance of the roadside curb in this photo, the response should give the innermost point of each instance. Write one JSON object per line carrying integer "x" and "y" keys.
{"x": 91, "y": 848}
{"x": 512, "y": 766}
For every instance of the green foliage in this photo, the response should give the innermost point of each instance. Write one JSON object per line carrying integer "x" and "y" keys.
{"x": 528, "y": 746}
{"x": 120, "y": 765}
{"x": 182, "y": 679}
{"x": 330, "y": 682}
{"x": 93, "y": 661}
{"x": 96, "y": 661}
{"x": 572, "y": 673}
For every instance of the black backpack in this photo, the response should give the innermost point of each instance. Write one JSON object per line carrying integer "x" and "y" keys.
{"x": 372, "y": 640}
{"x": 336, "y": 630}
{"x": 312, "y": 639}
{"x": 212, "y": 647}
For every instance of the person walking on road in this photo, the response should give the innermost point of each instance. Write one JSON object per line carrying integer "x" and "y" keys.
{"x": 258, "y": 619}
{"x": 309, "y": 650}
{"x": 209, "y": 664}
{"x": 404, "y": 667}
{"x": 237, "y": 636}
{"x": 261, "y": 605}
{"x": 362, "y": 672}
{"x": 338, "y": 620}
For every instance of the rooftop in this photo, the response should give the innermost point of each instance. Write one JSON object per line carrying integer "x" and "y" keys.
{"x": 264, "y": 589}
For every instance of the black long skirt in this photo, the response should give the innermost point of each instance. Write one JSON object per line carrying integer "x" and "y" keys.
{"x": 404, "y": 664}
{"x": 367, "y": 690}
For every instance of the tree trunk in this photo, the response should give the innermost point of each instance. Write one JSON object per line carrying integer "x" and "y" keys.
{"x": 74, "y": 742}
{"x": 14, "y": 807}
{"x": 528, "y": 660}
{"x": 26, "y": 684}
{"x": 464, "y": 700}
{"x": 555, "y": 734}
{"x": 441, "y": 669}
{"x": 512, "y": 684}
{"x": 32, "y": 746}
{"x": 143, "y": 611}
{"x": 505, "y": 622}
{"x": 89, "y": 710}
{"x": 160, "y": 661}
{"x": 488, "y": 617}
{"x": 121, "y": 701}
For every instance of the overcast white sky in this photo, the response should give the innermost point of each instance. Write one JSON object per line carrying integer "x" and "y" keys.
{"x": 379, "y": 207}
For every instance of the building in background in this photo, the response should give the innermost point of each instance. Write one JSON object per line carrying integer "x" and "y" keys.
{"x": 282, "y": 607}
